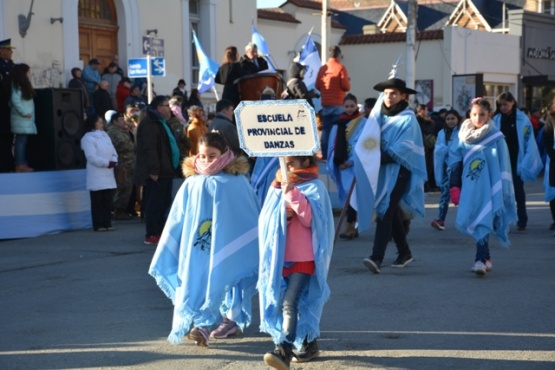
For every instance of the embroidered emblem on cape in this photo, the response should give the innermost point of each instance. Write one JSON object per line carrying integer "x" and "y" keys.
{"x": 527, "y": 133}
{"x": 475, "y": 168}
{"x": 204, "y": 236}
{"x": 370, "y": 143}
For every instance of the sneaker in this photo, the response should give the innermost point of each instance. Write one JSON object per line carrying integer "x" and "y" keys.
{"x": 279, "y": 358}
{"x": 152, "y": 240}
{"x": 308, "y": 352}
{"x": 372, "y": 265}
{"x": 489, "y": 264}
{"x": 402, "y": 261}
{"x": 226, "y": 328}
{"x": 438, "y": 224}
{"x": 522, "y": 228}
{"x": 199, "y": 335}
{"x": 479, "y": 268}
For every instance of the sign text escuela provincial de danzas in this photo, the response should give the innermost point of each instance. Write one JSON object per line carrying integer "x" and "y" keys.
{"x": 274, "y": 128}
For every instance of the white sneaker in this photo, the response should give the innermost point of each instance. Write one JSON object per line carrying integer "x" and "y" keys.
{"x": 489, "y": 265}
{"x": 479, "y": 268}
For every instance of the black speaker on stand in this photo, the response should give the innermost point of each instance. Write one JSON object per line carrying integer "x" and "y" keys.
{"x": 59, "y": 120}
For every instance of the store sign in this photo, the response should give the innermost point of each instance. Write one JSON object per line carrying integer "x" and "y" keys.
{"x": 538, "y": 53}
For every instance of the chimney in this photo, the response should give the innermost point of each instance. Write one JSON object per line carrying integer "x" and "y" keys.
{"x": 370, "y": 29}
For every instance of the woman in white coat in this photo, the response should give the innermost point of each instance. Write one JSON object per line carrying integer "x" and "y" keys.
{"x": 101, "y": 160}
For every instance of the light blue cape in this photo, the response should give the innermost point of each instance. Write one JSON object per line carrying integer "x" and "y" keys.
{"x": 401, "y": 138}
{"x": 441, "y": 153}
{"x": 263, "y": 173}
{"x": 271, "y": 284}
{"x": 207, "y": 258}
{"x": 529, "y": 162}
{"x": 487, "y": 202}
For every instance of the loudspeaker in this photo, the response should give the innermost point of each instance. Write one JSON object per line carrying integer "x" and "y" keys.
{"x": 59, "y": 121}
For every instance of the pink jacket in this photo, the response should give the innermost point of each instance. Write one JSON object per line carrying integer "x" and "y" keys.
{"x": 298, "y": 244}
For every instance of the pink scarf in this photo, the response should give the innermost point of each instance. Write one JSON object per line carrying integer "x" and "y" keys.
{"x": 215, "y": 166}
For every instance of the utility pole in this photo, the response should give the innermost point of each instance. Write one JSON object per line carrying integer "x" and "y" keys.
{"x": 325, "y": 31}
{"x": 411, "y": 47}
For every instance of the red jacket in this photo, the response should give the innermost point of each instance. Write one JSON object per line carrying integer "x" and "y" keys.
{"x": 122, "y": 92}
{"x": 333, "y": 82}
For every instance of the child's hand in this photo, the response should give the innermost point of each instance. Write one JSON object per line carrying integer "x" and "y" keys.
{"x": 289, "y": 212}
{"x": 288, "y": 187}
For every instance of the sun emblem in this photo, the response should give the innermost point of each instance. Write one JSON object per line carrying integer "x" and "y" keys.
{"x": 204, "y": 238}
{"x": 370, "y": 143}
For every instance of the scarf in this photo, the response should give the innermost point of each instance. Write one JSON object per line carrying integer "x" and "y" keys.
{"x": 215, "y": 166}
{"x": 396, "y": 109}
{"x": 469, "y": 134}
{"x": 341, "y": 155}
{"x": 297, "y": 176}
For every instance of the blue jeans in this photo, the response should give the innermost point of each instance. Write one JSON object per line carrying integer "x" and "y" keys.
{"x": 330, "y": 115}
{"x": 445, "y": 197}
{"x": 296, "y": 286}
{"x": 19, "y": 149}
{"x": 482, "y": 250}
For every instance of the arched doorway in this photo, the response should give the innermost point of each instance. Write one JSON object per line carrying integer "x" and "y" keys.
{"x": 98, "y": 31}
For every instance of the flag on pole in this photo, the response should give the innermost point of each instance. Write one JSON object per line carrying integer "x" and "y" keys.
{"x": 310, "y": 58}
{"x": 262, "y": 46}
{"x": 207, "y": 68}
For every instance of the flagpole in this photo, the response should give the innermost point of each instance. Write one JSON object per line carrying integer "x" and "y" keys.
{"x": 215, "y": 93}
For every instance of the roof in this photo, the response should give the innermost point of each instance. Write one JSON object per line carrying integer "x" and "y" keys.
{"x": 389, "y": 37}
{"x": 277, "y": 15}
{"x": 317, "y": 5}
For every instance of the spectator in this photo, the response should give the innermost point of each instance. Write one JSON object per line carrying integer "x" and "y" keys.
{"x": 333, "y": 82}
{"x": 179, "y": 90}
{"x": 428, "y": 135}
{"x": 368, "y": 106}
{"x": 196, "y": 128}
{"x": 223, "y": 123}
{"x": 176, "y": 104}
{"x": 296, "y": 88}
{"x": 115, "y": 60}
{"x": 77, "y": 83}
{"x": 22, "y": 113}
{"x": 101, "y": 99}
{"x": 229, "y": 71}
{"x": 6, "y": 135}
{"x": 113, "y": 79}
{"x": 135, "y": 98}
{"x": 251, "y": 62}
{"x": 91, "y": 76}
{"x": 155, "y": 165}
{"x": 194, "y": 99}
{"x": 122, "y": 93}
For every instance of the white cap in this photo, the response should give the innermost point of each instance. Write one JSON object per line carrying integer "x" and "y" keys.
{"x": 108, "y": 115}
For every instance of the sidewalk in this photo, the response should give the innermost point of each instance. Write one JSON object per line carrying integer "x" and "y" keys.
{"x": 84, "y": 300}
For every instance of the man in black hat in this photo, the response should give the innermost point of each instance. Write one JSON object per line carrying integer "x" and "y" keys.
{"x": 6, "y": 136}
{"x": 402, "y": 173}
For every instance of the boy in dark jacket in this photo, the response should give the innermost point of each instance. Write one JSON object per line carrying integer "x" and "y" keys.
{"x": 296, "y": 88}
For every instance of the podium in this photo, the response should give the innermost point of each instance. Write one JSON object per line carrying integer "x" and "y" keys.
{"x": 260, "y": 86}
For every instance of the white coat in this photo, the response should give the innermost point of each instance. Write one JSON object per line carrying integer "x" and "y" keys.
{"x": 99, "y": 151}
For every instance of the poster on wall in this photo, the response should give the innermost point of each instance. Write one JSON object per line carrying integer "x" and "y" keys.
{"x": 466, "y": 88}
{"x": 424, "y": 93}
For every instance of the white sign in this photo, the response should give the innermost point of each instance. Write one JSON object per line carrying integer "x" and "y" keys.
{"x": 277, "y": 128}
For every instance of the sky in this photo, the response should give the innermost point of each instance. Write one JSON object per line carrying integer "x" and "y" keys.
{"x": 269, "y": 3}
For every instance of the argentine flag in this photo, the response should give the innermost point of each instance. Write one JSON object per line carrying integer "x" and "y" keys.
{"x": 310, "y": 58}
{"x": 367, "y": 167}
{"x": 207, "y": 68}
{"x": 262, "y": 46}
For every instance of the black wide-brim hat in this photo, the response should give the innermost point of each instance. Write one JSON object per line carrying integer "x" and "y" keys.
{"x": 394, "y": 83}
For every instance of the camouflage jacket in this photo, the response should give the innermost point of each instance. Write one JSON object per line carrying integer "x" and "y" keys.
{"x": 123, "y": 144}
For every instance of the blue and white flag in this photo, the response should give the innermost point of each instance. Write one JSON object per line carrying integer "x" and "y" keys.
{"x": 367, "y": 166}
{"x": 310, "y": 58}
{"x": 207, "y": 68}
{"x": 262, "y": 46}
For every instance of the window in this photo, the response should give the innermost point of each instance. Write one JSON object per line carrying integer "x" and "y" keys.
{"x": 194, "y": 59}
{"x": 99, "y": 10}
{"x": 548, "y": 7}
{"x": 492, "y": 91}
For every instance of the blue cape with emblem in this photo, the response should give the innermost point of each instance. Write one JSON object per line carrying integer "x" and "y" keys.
{"x": 442, "y": 160}
{"x": 207, "y": 258}
{"x": 529, "y": 162}
{"x": 271, "y": 284}
{"x": 487, "y": 202}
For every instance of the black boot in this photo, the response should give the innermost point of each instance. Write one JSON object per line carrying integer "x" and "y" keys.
{"x": 279, "y": 358}
{"x": 308, "y": 352}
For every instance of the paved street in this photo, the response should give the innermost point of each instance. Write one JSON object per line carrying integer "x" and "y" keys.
{"x": 84, "y": 300}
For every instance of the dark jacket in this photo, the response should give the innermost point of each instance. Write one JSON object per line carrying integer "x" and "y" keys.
{"x": 250, "y": 67}
{"x": 548, "y": 143}
{"x": 102, "y": 102}
{"x": 177, "y": 92}
{"x": 296, "y": 88}
{"x": 227, "y": 74}
{"x": 154, "y": 154}
{"x": 227, "y": 128}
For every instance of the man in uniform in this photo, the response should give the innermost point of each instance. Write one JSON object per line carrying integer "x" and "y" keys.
{"x": 6, "y": 136}
{"x": 118, "y": 131}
